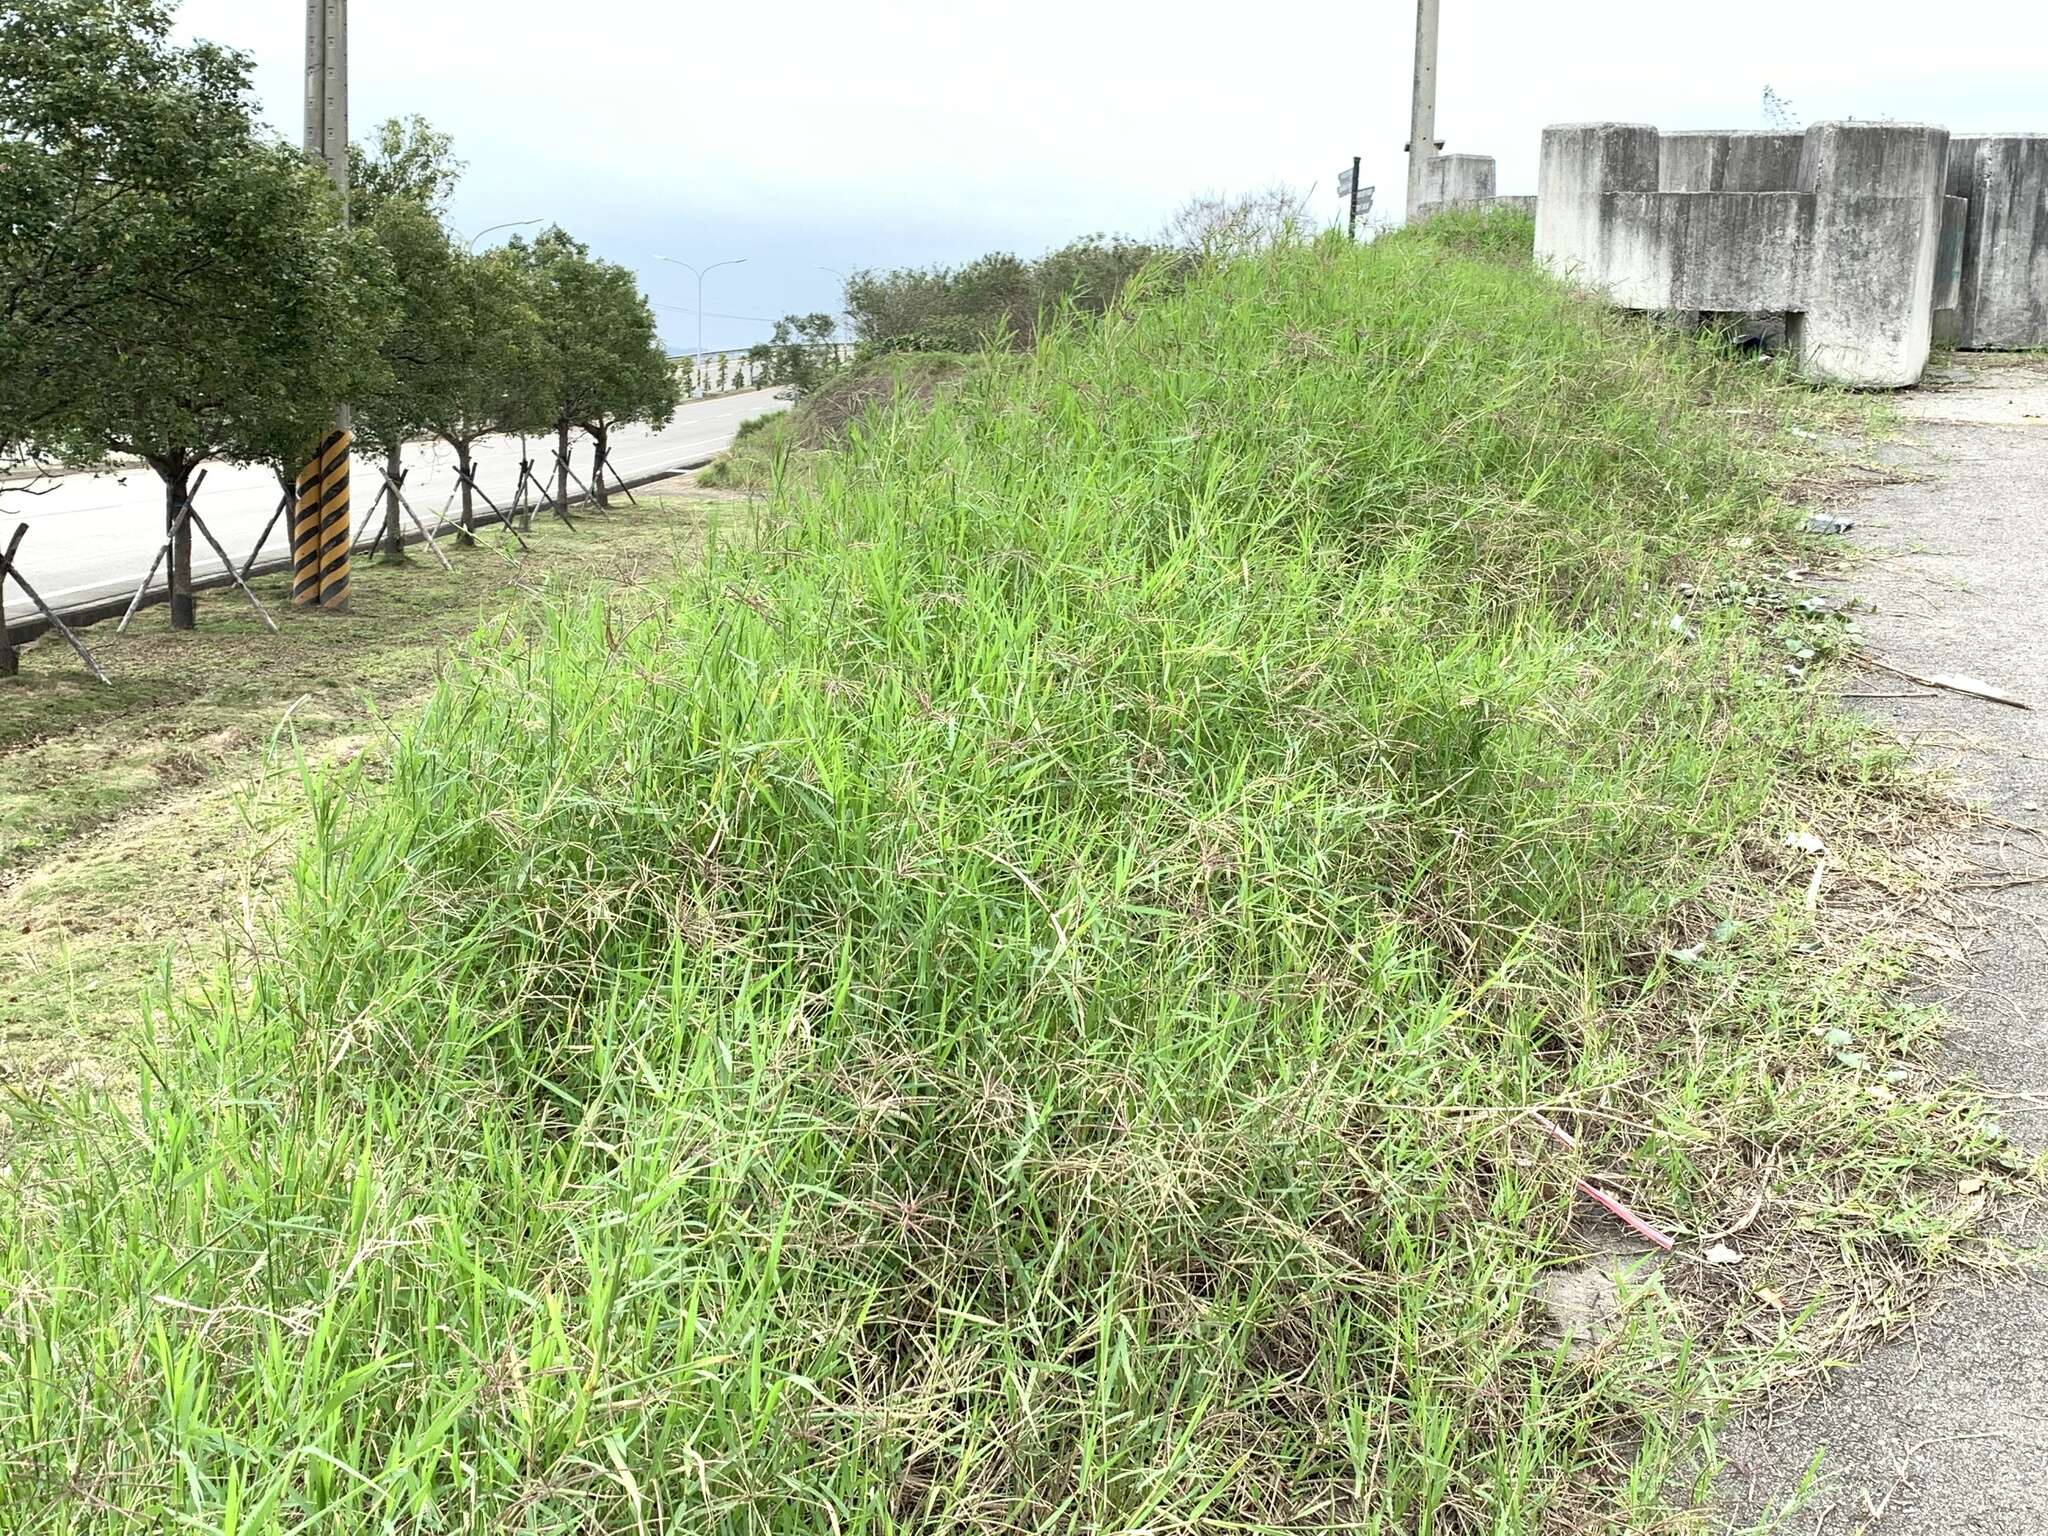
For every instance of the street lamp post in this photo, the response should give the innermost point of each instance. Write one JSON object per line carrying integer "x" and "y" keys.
{"x": 700, "y": 275}
{"x": 1422, "y": 145}
{"x": 515, "y": 224}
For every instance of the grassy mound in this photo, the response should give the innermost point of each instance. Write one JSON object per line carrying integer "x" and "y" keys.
{"x": 1014, "y": 1003}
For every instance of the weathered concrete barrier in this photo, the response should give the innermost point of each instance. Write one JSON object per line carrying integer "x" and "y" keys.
{"x": 1464, "y": 181}
{"x": 1844, "y": 236}
{"x": 1871, "y": 240}
{"x": 2002, "y": 243}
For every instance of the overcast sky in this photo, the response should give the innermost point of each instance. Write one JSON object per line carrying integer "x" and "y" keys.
{"x": 845, "y": 133}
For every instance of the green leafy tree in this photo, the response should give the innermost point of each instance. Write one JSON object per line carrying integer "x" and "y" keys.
{"x": 223, "y": 308}
{"x": 799, "y": 354}
{"x": 464, "y": 356}
{"x": 605, "y": 362}
{"x": 98, "y": 114}
{"x": 424, "y": 347}
{"x": 406, "y": 160}
{"x": 489, "y": 362}
{"x": 398, "y": 184}
{"x": 998, "y": 298}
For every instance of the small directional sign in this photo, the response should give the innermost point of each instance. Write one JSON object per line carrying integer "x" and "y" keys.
{"x": 1365, "y": 200}
{"x": 1346, "y": 180}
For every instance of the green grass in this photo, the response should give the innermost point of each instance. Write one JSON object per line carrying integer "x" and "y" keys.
{"x": 1012, "y": 1000}
{"x": 144, "y": 816}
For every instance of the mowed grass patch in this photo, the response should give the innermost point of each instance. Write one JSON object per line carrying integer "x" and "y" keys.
{"x": 1014, "y": 1000}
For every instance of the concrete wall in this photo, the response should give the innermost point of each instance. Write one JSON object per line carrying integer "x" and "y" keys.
{"x": 1457, "y": 179}
{"x": 1844, "y": 236}
{"x": 1728, "y": 162}
{"x": 2002, "y": 298}
{"x": 1465, "y": 181}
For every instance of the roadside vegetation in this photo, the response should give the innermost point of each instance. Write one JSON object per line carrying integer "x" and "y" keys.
{"x": 160, "y": 816}
{"x": 1017, "y": 995}
{"x": 178, "y": 286}
{"x": 998, "y": 300}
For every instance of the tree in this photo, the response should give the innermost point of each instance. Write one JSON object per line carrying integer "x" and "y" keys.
{"x": 605, "y": 362}
{"x": 96, "y": 110}
{"x": 397, "y": 186}
{"x": 222, "y": 308}
{"x": 407, "y": 161}
{"x": 421, "y": 350}
{"x": 997, "y": 297}
{"x": 489, "y": 356}
{"x": 799, "y": 355}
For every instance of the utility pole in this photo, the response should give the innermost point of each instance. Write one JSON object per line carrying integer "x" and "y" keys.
{"x": 321, "y": 527}
{"x": 1422, "y": 144}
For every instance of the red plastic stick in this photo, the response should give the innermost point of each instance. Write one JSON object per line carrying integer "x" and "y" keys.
{"x": 1607, "y": 1202}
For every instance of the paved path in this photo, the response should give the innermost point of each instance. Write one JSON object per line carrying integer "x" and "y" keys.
{"x": 92, "y": 536}
{"x": 1946, "y": 1431}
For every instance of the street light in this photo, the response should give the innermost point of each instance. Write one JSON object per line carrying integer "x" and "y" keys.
{"x": 515, "y": 224}
{"x": 736, "y": 261}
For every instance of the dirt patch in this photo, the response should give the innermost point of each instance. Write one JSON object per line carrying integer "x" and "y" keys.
{"x": 911, "y": 376}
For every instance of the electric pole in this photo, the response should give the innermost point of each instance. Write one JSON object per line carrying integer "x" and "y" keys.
{"x": 1422, "y": 144}
{"x": 321, "y": 528}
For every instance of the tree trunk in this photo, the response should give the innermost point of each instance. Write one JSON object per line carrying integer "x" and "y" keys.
{"x": 562, "y": 466}
{"x": 177, "y": 476}
{"x": 600, "y": 437}
{"x": 467, "y": 533}
{"x": 393, "y": 464}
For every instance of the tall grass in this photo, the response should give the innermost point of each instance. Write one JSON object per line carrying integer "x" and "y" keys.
{"x": 1008, "y": 1002}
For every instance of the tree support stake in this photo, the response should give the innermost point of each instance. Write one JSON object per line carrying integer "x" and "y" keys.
{"x": 9, "y": 662}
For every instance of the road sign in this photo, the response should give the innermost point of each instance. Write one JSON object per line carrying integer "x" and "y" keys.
{"x": 1365, "y": 200}
{"x": 1346, "y": 180}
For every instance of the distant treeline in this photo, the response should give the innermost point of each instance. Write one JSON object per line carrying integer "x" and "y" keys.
{"x": 998, "y": 296}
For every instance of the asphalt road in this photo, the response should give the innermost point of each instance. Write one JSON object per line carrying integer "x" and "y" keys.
{"x": 90, "y": 537}
{"x": 1945, "y": 1430}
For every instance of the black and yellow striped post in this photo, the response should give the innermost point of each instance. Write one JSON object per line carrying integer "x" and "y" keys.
{"x": 321, "y": 526}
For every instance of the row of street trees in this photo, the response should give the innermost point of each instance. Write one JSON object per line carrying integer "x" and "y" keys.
{"x": 179, "y": 286}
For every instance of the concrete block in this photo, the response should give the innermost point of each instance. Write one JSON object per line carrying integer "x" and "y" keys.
{"x": 1878, "y": 189}
{"x": 1948, "y": 262}
{"x": 1728, "y": 162}
{"x": 1581, "y": 163}
{"x": 1838, "y": 228}
{"x": 1456, "y": 180}
{"x": 1762, "y": 162}
{"x": 1691, "y": 162}
{"x": 2003, "y": 298}
{"x": 1725, "y": 252}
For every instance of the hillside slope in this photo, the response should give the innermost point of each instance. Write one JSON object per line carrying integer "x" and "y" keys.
{"x": 1018, "y": 1003}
